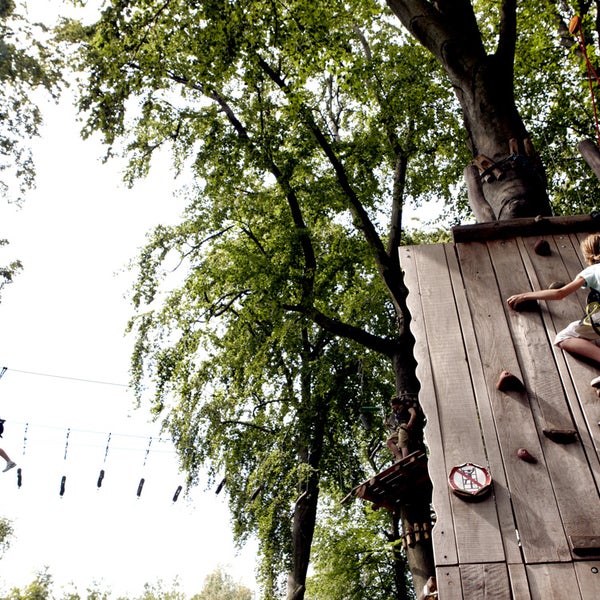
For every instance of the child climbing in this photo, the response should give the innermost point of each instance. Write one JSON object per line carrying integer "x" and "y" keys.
{"x": 400, "y": 424}
{"x": 579, "y": 337}
{"x": 9, "y": 463}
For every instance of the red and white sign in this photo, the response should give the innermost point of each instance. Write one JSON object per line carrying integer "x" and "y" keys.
{"x": 470, "y": 481}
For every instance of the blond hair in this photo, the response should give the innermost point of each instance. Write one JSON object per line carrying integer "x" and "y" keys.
{"x": 590, "y": 248}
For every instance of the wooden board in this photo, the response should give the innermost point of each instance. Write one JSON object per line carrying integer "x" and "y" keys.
{"x": 476, "y": 525}
{"x": 449, "y": 583}
{"x": 534, "y": 506}
{"x": 485, "y": 581}
{"x": 443, "y": 537}
{"x": 588, "y": 578}
{"x": 465, "y": 336}
{"x": 553, "y": 581}
{"x": 493, "y": 451}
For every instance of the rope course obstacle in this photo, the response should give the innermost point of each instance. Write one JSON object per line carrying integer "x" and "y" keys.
{"x": 74, "y": 442}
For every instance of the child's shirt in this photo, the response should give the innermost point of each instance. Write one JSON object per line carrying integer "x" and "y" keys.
{"x": 591, "y": 275}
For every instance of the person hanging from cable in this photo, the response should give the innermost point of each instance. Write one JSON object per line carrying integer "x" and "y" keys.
{"x": 9, "y": 463}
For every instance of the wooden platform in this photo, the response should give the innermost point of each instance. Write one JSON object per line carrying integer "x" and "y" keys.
{"x": 537, "y": 536}
{"x": 394, "y": 484}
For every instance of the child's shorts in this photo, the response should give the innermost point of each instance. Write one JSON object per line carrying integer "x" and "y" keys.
{"x": 577, "y": 329}
{"x": 400, "y": 438}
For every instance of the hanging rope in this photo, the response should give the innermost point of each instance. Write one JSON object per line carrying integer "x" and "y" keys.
{"x": 576, "y": 29}
{"x": 63, "y": 480}
{"x": 142, "y": 480}
{"x": 101, "y": 475}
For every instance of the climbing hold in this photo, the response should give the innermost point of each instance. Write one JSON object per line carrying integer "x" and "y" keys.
{"x": 507, "y": 382}
{"x": 177, "y": 492}
{"x": 542, "y": 247}
{"x": 140, "y": 487}
{"x": 523, "y": 454}
{"x": 561, "y": 436}
{"x": 63, "y": 483}
{"x": 100, "y": 478}
{"x": 527, "y": 306}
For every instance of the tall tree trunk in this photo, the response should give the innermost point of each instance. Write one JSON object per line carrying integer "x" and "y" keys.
{"x": 311, "y": 434}
{"x": 512, "y": 179}
{"x": 303, "y": 527}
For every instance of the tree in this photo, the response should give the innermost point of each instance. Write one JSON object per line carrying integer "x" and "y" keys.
{"x": 349, "y": 562}
{"x": 6, "y": 532}
{"x": 514, "y": 178}
{"x": 39, "y": 589}
{"x": 29, "y": 61}
{"x": 219, "y": 585}
{"x": 306, "y": 129}
{"x": 484, "y": 86}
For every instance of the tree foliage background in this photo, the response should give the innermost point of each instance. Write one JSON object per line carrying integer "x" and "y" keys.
{"x": 301, "y": 128}
{"x": 29, "y": 62}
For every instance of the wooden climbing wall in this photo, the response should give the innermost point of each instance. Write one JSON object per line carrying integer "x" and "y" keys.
{"x": 538, "y": 535}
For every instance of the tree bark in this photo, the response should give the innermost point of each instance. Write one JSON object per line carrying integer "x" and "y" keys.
{"x": 310, "y": 450}
{"x": 515, "y": 186}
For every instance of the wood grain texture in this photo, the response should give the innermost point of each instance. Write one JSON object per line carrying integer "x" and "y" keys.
{"x": 476, "y": 525}
{"x": 530, "y": 487}
{"x": 443, "y": 537}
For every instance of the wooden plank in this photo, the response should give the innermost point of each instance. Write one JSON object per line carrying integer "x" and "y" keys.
{"x": 518, "y": 582}
{"x": 448, "y": 583}
{"x": 572, "y": 480}
{"x": 535, "y": 226}
{"x": 535, "y": 509}
{"x": 443, "y": 537}
{"x": 588, "y": 577}
{"x": 476, "y": 524}
{"x": 494, "y": 455}
{"x": 553, "y": 581}
{"x": 485, "y": 581}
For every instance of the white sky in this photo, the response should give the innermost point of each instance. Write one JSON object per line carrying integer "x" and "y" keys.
{"x": 65, "y": 316}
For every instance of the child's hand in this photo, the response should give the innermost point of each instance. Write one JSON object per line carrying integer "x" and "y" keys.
{"x": 515, "y": 300}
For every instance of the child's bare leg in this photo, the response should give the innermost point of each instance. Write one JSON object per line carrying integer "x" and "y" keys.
{"x": 394, "y": 449}
{"x": 4, "y": 455}
{"x": 581, "y": 347}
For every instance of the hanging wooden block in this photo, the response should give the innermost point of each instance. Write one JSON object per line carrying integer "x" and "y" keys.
{"x": 177, "y": 492}
{"x": 140, "y": 487}
{"x": 19, "y": 477}
{"x": 100, "y": 478}
{"x": 220, "y": 486}
{"x": 63, "y": 483}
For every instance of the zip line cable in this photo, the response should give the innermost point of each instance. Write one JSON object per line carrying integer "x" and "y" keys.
{"x": 67, "y": 377}
{"x": 27, "y": 433}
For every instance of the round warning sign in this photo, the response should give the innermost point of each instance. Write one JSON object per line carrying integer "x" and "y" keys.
{"x": 470, "y": 481}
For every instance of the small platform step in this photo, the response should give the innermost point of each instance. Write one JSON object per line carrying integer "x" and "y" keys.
{"x": 394, "y": 484}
